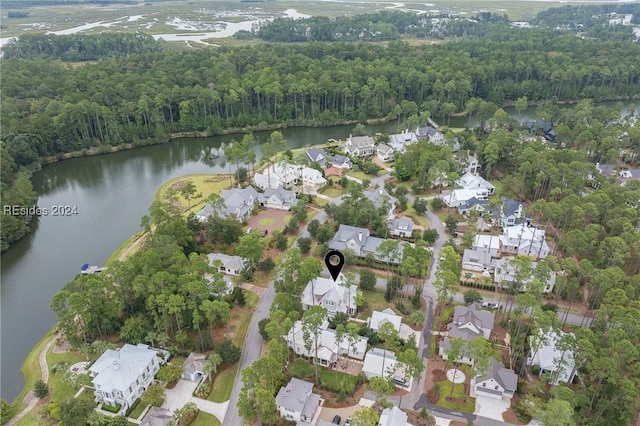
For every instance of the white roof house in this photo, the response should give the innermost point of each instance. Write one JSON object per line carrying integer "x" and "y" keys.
{"x": 524, "y": 240}
{"x": 359, "y": 146}
{"x": 474, "y": 181}
{"x": 121, "y": 376}
{"x": 231, "y": 265}
{"x": 393, "y": 417}
{"x": 297, "y": 402}
{"x": 487, "y": 243}
{"x": 279, "y": 198}
{"x": 505, "y": 275}
{"x": 378, "y": 318}
{"x": 333, "y": 295}
{"x": 328, "y": 347}
{"x": 382, "y": 363}
{"x": 547, "y": 352}
{"x": 312, "y": 177}
{"x": 278, "y": 175}
{"x": 400, "y": 141}
{"x": 457, "y": 197}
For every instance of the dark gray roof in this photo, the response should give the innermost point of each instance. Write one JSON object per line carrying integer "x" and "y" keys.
{"x": 402, "y": 224}
{"x": 340, "y": 159}
{"x": 472, "y": 202}
{"x": 473, "y": 314}
{"x": 379, "y": 196}
{"x": 505, "y": 377}
{"x": 346, "y": 233}
{"x": 317, "y": 155}
{"x": 510, "y": 207}
{"x": 294, "y": 396}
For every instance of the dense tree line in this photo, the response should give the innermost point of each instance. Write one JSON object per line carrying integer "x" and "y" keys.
{"x": 15, "y": 190}
{"x": 583, "y": 17}
{"x": 81, "y": 47}
{"x": 144, "y": 97}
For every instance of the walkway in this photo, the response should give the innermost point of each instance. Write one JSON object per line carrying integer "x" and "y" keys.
{"x": 29, "y": 398}
{"x": 182, "y": 393}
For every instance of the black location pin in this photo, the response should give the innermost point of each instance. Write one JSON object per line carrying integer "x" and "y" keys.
{"x": 334, "y": 261}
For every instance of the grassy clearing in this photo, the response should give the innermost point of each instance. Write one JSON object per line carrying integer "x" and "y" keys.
{"x": 332, "y": 192}
{"x": 331, "y": 379}
{"x": 205, "y": 185}
{"x": 223, "y": 384}
{"x": 320, "y": 202}
{"x": 140, "y": 407}
{"x": 359, "y": 175}
{"x": 375, "y": 302}
{"x": 58, "y": 388}
{"x": 245, "y": 318}
{"x": 206, "y": 419}
{"x": 31, "y": 370}
{"x": 418, "y": 218}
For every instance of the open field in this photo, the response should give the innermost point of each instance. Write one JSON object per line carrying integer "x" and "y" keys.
{"x": 205, "y": 22}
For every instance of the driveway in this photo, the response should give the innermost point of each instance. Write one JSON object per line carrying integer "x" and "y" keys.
{"x": 490, "y": 407}
{"x": 177, "y": 397}
{"x": 328, "y": 413}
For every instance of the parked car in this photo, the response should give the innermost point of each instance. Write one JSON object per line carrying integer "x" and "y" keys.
{"x": 490, "y": 305}
{"x": 336, "y": 420}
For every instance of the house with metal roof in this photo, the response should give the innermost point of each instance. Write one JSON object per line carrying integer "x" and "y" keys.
{"x": 335, "y": 296}
{"x": 317, "y": 155}
{"x": 401, "y": 227}
{"x": 297, "y": 402}
{"x": 120, "y": 376}
{"x": 229, "y": 265}
{"x": 341, "y": 162}
{"x": 551, "y": 351}
{"x": 393, "y": 417}
{"x": 329, "y": 349}
{"x": 469, "y": 322}
{"x": 383, "y": 363}
{"x": 360, "y": 241}
{"x": 385, "y": 152}
{"x": 360, "y": 146}
{"x": 378, "y": 318}
{"x": 400, "y": 141}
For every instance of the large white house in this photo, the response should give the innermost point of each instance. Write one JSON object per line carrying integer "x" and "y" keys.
{"x": 475, "y": 181}
{"x": 329, "y": 349}
{"x": 400, "y": 141}
{"x": 505, "y": 275}
{"x": 120, "y": 376}
{"x": 460, "y": 197}
{"x": 360, "y": 146}
{"x": 335, "y": 296}
{"x": 551, "y": 351}
{"x": 238, "y": 203}
{"x": 524, "y": 240}
{"x": 297, "y": 402}
{"x": 279, "y": 199}
{"x": 393, "y": 417}
{"x": 278, "y": 175}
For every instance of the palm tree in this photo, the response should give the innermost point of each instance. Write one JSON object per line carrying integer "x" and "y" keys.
{"x": 213, "y": 361}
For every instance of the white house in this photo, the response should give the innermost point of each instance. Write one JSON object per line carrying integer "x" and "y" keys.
{"x": 510, "y": 213}
{"x": 469, "y": 322}
{"x": 379, "y": 197}
{"x": 497, "y": 382}
{"x": 385, "y": 152}
{"x": 313, "y": 177}
{"x": 553, "y": 355}
{"x": 457, "y": 197}
{"x": 400, "y": 141}
{"x": 219, "y": 290}
{"x": 193, "y": 367}
{"x": 378, "y": 318}
{"x": 478, "y": 261}
{"x": 120, "y": 376}
{"x": 335, "y": 296}
{"x": 382, "y": 363}
{"x": 486, "y": 243}
{"x": 524, "y": 240}
{"x": 401, "y": 227}
{"x": 393, "y": 417}
{"x": 279, "y": 199}
{"x": 238, "y": 203}
{"x": 329, "y": 349}
{"x": 473, "y": 204}
{"x": 505, "y": 276}
{"x": 475, "y": 181}
{"x": 297, "y": 402}
{"x": 428, "y": 132}
{"x": 230, "y": 265}
{"x": 278, "y": 175}
{"x": 360, "y": 146}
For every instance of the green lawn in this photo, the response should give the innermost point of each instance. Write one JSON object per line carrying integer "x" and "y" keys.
{"x": 458, "y": 392}
{"x": 205, "y": 419}
{"x": 223, "y": 384}
{"x": 206, "y": 184}
{"x": 432, "y": 346}
{"x": 31, "y": 371}
{"x": 375, "y": 302}
{"x": 58, "y": 388}
{"x": 266, "y": 221}
{"x": 420, "y": 219}
{"x": 321, "y": 202}
{"x": 332, "y": 192}
{"x": 332, "y": 380}
{"x": 139, "y": 408}
{"x": 497, "y": 353}
{"x": 446, "y": 313}
{"x": 245, "y": 318}
{"x": 359, "y": 175}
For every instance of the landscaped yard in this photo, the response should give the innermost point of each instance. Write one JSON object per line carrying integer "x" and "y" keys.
{"x": 375, "y": 302}
{"x": 137, "y": 410}
{"x": 205, "y": 185}
{"x": 321, "y": 202}
{"x": 58, "y": 388}
{"x": 332, "y": 192}
{"x": 223, "y": 384}
{"x": 332, "y": 380}
{"x": 205, "y": 419}
{"x": 460, "y": 400}
{"x": 418, "y": 218}
{"x": 266, "y": 221}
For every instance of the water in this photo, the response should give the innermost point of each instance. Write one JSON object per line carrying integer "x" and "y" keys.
{"x": 112, "y": 192}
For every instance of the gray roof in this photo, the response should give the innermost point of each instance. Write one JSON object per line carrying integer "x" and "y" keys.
{"x": 361, "y": 141}
{"x": 285, "y": 196}
{"x": 194, "y": 363}
{"x": 340, "y": 159}
{"x": 157, "y": 416}
{"x": 346, "y": 233}
{"x": 402, "y": 224}
{"x": 472, "y": 202}
{"x": 393, "y": 417}
{"x": 427, "y": 131}
{"x": 477, "y": 256}
{"x": 117, "y": 370}
{"x": 384, "y": 148}
{"x": 475, "y": 315}
{"x": 238, "y": 199}
{"x": 505, "y": 377}
{"x": 510, "y": 207}
{"x": 379, "y": 196}
{"x": 229, "y": 262}
{"x": 294, "y": 396}
{"x": 317, "y": 155}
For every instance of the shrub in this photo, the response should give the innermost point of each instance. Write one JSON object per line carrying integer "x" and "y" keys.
{"x": 40, "y": 389}
{"x": 472, "y": 296}
{"x": 111, "y": 408}
{"x": 535, "y": 369}
{"x": 229, "y": 352}
{"x": 367, "y": 279}
{"x": 262, "y": 325}
{"x": 267, "y": 264}
{"x": 304, "y": 244}
{"x": 550, "y": 307}
{"x": 437, "y": 204}
{"x": 403, "y": 309}
{"x": 203, "y": 390}
{"x": 281, "y": 242}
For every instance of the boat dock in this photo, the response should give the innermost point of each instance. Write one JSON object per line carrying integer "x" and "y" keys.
{"x": 87, "y": 269}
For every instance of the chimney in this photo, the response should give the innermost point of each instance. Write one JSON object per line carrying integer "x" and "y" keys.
{"x": 360, "y": 236}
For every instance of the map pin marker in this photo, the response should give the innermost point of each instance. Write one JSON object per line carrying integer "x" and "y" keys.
{"x": 334, "y": 261}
